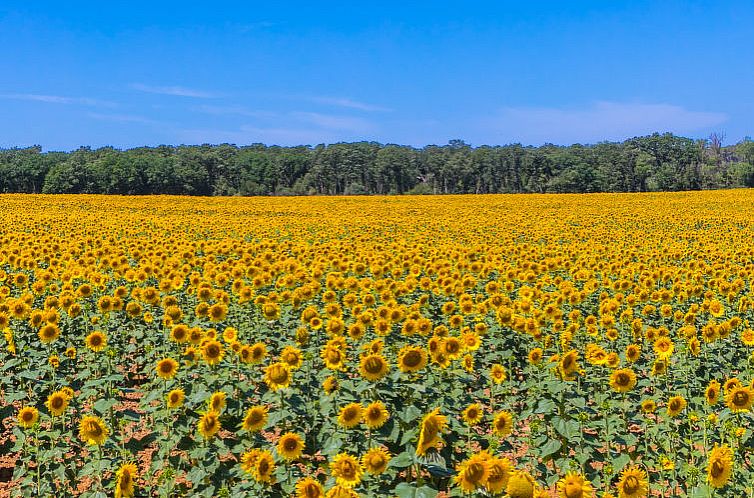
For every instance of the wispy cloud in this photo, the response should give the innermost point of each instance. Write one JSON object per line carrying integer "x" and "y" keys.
{"x": 349, "y": 103}
{"x": 333, "y": 122}
{"x": 219, "y": 110}
{"x": 121, "y": 118}
{"x": 57, "y": 99}
{"x": 598, "y": 121}
{"x": 178, "y": 91}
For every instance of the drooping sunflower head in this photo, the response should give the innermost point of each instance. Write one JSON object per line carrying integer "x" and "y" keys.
{"x": 521, "y": 485}
{"x": 499, "y": 474}
{"x": 124, "y": 480}
{"x": 719, "y": 466}
{"x": 375, "y": 460}
{"x": 217, "y": 401}
{"x": 209, "y": 424}
{"x": 290, "y": 446}
{"x": 430, "y": 429}
{"x": 255, "y": 419}
{"x": 712, "y": 393}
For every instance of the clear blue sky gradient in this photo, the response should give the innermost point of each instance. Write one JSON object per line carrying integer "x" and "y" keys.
{"x": 147, "y": 73}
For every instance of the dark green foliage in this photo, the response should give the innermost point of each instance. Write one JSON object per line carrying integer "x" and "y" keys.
{"x": 655, "y": 162}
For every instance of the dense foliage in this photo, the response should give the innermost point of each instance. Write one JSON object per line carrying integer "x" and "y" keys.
{"x": 398, "y": 346}
{"x": 651, "y": 163}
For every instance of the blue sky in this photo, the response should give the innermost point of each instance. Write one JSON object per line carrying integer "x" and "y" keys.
{"x": 161, "y": 72}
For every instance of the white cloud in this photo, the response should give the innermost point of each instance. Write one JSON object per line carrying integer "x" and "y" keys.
{"x": 121, "y": 118}
{"x": 178, "y": 91}
{"x": 57, "y": 99}
{"x": 332, "y": 122}
{"x": 599, "y": 121}
{"x": 350, "y": 104}
{"x": 233, "y": 110}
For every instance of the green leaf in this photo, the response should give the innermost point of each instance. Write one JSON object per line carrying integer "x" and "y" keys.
{"x": 549, "y": 448}
{"x": 408, "y": 490}
{"x": 402, "y": 460}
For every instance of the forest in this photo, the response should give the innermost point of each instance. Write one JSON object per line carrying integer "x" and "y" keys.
{"x": 657, "y": 162}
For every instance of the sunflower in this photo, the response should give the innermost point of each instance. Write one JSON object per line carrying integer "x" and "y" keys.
{"x": 212, "y": 352}
{"x": 57, "y": 402}
{"x": 430, "y": 429}
{"x": 277, "y": 376}
{"x": 633, "y": 483}
{"x": 676, "y": 404}
{"x": 648, "y": 406}
{"x": 375, "y": 460}
{"x": 374, "y": 367}
{"x": 497, "y": 373}
{"x": 167, "y": 368}
{"x": 663, "y": 348}
{"x": 502, "y": 424}
{"x": 92, "y": 430}
{"x": 96, "y": 341}
{"x": 574, "y": 485}
{"x": 521, "y": 485}
{"x": 623, "y": 380}
{"x": 719, "y": 466}
{"x": 28, "y": 416}
{"x": 124, "y": 480}
{"x": 375, "y": 415}
{"x": 739, "y": 399}
{"x": 339, "y": 491}
{"x": 255, "y": 419}
{"x": 216, "y": 402}
{"x": 712, "y": 393}
{"x": 568, "y": 365}
{"x": 535, "y": 356}
{"x": 248, "y": 460}
{"x": 292, "y": 356}
{"x": 633, "y": 352}
{"x": 499, "y": 474}
{"x": 473, "y": 472}
{"x": 330, "y": 385}
{"x": 209, "y": 424}
{"x": 258, "y": 352}
{"x": 346, "y": 470}
{"x": 49, "y": 333}
{"x": 473, "y": 414}
{"x": 411, "y": 359}
{"x": 264, "y": 467}
{"x": 308, "y": 487}
{"x": 175, "y": 398}
{"x": 290, "y": 446}
{"x": 334, "y": 358}
{"x": 350, "y": 415}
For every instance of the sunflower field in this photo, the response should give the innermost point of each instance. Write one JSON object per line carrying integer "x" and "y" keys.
{"x": 509, "y": 345}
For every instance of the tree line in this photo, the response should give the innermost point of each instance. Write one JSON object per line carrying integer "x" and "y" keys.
{"x": 657, "y": 162}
